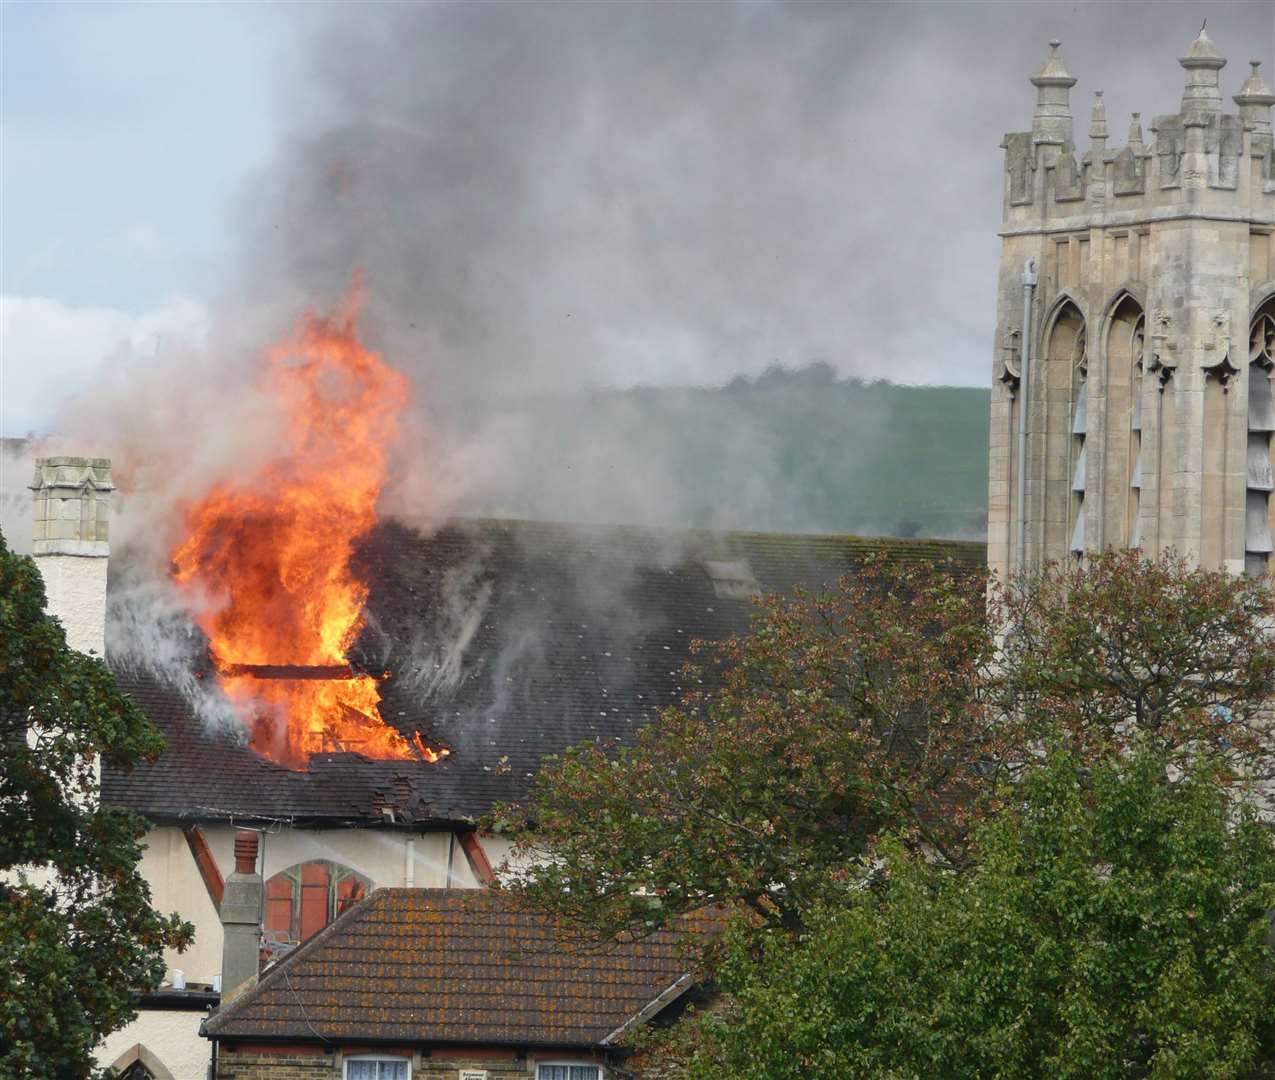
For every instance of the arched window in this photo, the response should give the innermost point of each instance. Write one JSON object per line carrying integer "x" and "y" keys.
{"x": 1060, "y": 404}
{"x": 1079, "y": 432}
{"x": 303, "y": 899}
{"x": 1261, "y": 423}
{"x": 1126, "y": 338}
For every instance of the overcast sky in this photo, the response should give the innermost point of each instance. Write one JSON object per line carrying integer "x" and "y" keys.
{"x": 544, "y": 196}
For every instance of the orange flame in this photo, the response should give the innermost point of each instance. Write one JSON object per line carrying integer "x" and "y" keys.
{"x": 270, "y": 554}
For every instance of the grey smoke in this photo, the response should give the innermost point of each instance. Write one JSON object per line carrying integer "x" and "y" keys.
{"x": 549, "y": 200}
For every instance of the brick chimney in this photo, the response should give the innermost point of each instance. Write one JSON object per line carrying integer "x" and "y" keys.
{"x": 72, "y": 504}
{"x": 241, "y": 904}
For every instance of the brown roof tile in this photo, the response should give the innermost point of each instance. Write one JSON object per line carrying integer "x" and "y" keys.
{"x": 454, "y": 966}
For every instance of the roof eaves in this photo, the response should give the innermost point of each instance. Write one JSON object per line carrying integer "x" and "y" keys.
{"x": 657, "y": 1003}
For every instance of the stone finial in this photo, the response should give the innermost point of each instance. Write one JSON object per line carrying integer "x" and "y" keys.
{"x": 72, "y": 505}
{"x": 1255, "y": 100}
{"x": 1135, "y": 131}
{"x": 1051, "y": 122}
{"x": 1098, "y": 117}
{"x": 1202, "y": 63}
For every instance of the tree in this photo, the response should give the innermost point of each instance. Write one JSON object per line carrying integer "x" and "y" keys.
{"x": 1111, "y": 929}
{"x": 901, "y": 701}
{"x": 1122, "y": 648}
{"x": 836, "y": 717}
{"x": 78, "y": 935}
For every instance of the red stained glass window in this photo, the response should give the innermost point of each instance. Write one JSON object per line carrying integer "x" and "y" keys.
{"x": 303, "y": 899}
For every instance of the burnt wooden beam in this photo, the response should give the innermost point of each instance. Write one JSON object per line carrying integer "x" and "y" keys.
{"x": 296, "y": 671}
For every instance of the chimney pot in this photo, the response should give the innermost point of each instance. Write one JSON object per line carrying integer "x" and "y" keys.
{"x": 245, "y": 852}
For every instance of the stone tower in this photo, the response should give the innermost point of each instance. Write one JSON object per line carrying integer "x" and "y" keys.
{"x": 1137, "y": 288}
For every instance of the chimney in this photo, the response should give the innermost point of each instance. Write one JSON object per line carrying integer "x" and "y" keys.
{"x": 72, "y": 504}
{"x": 241, "y": 904}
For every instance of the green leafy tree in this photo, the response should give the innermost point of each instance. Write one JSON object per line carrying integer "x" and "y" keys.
{"x": 900, "y": 701}
{"x": 1111, "y": 929}
{"x": 1122, "y": 650}
{"x": 78, "y": 935}
{"x": 766, "y": 789}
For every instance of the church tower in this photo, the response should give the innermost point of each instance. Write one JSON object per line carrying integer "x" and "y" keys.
{"x": 1137, "y": 294}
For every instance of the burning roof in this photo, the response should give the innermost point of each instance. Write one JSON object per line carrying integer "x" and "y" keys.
{"x": 505, "y": 641}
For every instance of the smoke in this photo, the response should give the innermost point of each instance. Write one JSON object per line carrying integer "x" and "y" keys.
{"x": 556, "y": 205}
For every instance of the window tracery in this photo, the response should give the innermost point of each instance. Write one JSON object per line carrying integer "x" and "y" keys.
{"x": 303, "y": 899}
{"x": 1261, "y": 423}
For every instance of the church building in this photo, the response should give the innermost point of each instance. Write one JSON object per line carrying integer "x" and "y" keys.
{"x": 1131, "y": 407}
{"x": 1135, "y": 330}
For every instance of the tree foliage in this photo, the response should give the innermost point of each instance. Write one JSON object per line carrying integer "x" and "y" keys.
{"x": 78, "y": 935}
{"x": 1123, "y": 649}
{"x": 1110, "y": 929}
{"x": 836, "y": 717}
{"x": 901, "y": 701}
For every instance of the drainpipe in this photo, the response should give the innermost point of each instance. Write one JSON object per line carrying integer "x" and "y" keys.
{"x": 1024, "y": 383}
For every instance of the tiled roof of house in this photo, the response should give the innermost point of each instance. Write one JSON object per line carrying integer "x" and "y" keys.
{"x": 507, "y": 642}
{"x": 456, "y": 966}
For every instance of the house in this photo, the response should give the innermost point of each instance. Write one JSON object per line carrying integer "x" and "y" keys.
{"x": 1132, "y": 407}
{"x": 505, "y": 642}
{"x": 450, "y": 983}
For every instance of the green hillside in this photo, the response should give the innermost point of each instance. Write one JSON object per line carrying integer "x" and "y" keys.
{"x": 791, "y": 451}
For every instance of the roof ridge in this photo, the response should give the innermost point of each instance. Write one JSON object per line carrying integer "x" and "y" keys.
{"x": 684, "y": 530}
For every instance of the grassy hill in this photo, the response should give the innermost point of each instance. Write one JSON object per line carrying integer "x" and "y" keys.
{"x": 792, "y": 451}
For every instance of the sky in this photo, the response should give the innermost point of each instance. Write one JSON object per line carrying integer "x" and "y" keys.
{"x": 543, "y": 197}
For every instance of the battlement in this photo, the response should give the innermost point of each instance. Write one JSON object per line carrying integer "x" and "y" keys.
{"x": 1199, "y": 161}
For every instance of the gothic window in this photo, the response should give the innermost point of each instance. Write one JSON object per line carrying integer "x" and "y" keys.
{"x": 303, "y": 899}
{"x": 1261, "y": 423}
{"x": 137, "y": 1071}
{"x": 1126, "y": 338}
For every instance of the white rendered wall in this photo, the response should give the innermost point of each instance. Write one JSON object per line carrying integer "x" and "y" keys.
{"x": 378, "y": 854}
{"x": 172, "y": 1038}
{"x": 76, "y": 590}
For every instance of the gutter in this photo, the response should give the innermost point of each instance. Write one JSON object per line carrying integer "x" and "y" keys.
{"x": 1024, "y": 394}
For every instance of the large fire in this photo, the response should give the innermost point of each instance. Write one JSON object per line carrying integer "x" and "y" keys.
{"x": 266, "y": 558}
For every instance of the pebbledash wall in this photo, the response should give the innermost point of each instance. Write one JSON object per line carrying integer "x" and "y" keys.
{"x": 1150, "y": 345}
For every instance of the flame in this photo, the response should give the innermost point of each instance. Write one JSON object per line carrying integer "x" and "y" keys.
{"x": 266, "y": 558}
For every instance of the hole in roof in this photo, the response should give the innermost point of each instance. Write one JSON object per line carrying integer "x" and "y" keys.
{"x": 731, "y": 579}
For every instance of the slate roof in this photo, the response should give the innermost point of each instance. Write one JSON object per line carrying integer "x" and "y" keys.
{"x": 507, "y": 641}
{"x": 457, "y": 966}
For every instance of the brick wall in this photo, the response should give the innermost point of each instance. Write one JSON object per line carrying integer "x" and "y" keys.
{"x": 258, "y": 1063}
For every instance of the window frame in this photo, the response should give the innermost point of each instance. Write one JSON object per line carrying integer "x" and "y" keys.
{"x": 346, "y": 1059}
{"x": 338, "y": 874}
{"x": 602, "y": 1074}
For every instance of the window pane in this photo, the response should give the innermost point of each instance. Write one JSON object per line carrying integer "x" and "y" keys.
{"x": 360, "y": 1070}
{"x": 348, "y": 893}
{"x": 551, "y": 1072}
{"x": 314, "y": 898}
{"x": 393, "y": 1070}
{"x": 584, "y": 1072}
{"x": 279, "y": 906}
